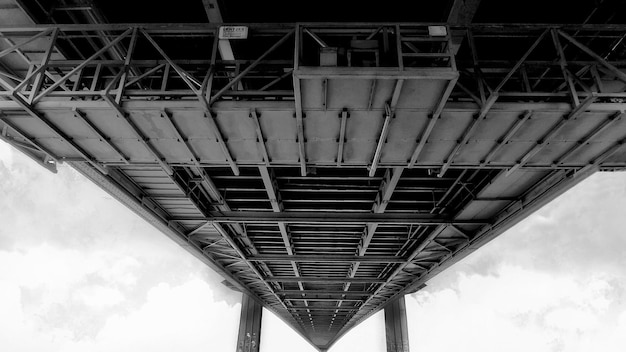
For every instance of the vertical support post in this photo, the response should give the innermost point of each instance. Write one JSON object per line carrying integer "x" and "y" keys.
{"x": 399, "y": 48}
{"x": 396, "y": 329}
{"x": 298, "y": 104}
{"x": 249, "y": 337}
{"x": 563, "y": 64}
{"x": 126, "y": 69}
{"x": 44, "y": 63}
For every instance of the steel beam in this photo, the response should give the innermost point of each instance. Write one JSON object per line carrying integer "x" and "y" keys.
{"x": 482, "y": 115}
{"x": 82, "y": 65}
{"x": 577, "y": 111}
{"x": 214, "y": 15}
{"x": 387, "y": 187}
{"x": 297, "y": 94}
{"x": 617, "y": 72}
{"x": 342, "y": 135}
{"x": 323, "y": 299}
{"x": 212, "y": 9}
{"x": 476, "y": 120}
{"x": 201, "y": 205}
{"x": 30, "y": 151}
{"x": 23, "y": 43}
{"x": 144, "y": 75}
{"x": 477, "y": 71}
{"x": 501, "y": 142}
{"x": 381, "y": 141}
{"x": 210, "y": 120}
{"x": 186, "y": 77}
{"x": 243, "y": 73}
{"x": 206, "y": 105}
{"x": 121, "y": 113}
{"x": 126, "y": 69}
{"x": 461, "y": 13}
{"x": 434, "y": 117}
{"x": 50, "y": 155}
{"x": 300, "y": 125}
{"x": 259, "y": 136}
{"x": 103, "y": 138}
{"x": 390, "y": 111}
{"x": 323, "y": 279}
{"x": 41, "y": 118}
{"x": 325, "y": 309}
{"x": 180, "y": 138}
{"x": 321, "y": 258}
{"x": 39, "y": 78}
{"x": 272, "y": 192}
{"x": 367, "y": 73}
{"x": 595, "y": 163}
{"x": 263, "y": 217}
{"x": 567, "y": 76}
{"x": 589, "y": 137}
{"x": 324, "y": 292}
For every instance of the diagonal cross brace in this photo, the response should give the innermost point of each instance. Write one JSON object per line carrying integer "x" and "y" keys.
{"x": 56, "y": 84}
{"x": 243, "y": 73}
{"x": 482, "y": 115}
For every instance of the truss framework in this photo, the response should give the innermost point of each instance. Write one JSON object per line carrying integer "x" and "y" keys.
{"x": 331, "y": 168}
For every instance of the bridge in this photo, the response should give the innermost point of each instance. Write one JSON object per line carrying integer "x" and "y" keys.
{"x": 324, "y": 169}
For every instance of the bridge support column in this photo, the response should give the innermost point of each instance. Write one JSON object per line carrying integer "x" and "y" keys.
{"x": 396, "y": 329}
{"x": 249, "y": 325}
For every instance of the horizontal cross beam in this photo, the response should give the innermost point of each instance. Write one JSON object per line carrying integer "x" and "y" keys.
{"x": 326, "y": 258}
{"x": 323, "y": 292}
{"x": 323, "y": 279}
{"x": 332, "y": 218}
{"x": 322, "y": 299}
{"x": 329, "y": 309}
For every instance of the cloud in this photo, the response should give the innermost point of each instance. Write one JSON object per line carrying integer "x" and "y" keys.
{"x": 554, "y": 282}
{"x": 17, "y": 332}
{"x": 518, "y": 309}
{"x": 6, "y": 153}
{"x": 183, "y": 317}
{"x": 71, "y": 289}
{"x": 99, "y": 297}
{"x": 63, "y": 226}
{"x": 74, "y": 263}
{"x": 572, "y": 319}
{"x": 581, "y": 231}
{"x": 621, "y": 321}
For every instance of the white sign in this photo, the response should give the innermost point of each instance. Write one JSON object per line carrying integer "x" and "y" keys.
{"x": 437, "y": 31}
{"x": 233, "y": 32}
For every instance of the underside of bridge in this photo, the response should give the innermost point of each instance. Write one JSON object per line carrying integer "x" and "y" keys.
{"x": 324, "y": 169}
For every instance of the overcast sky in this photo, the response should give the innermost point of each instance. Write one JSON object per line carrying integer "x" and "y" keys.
{"x": 80, "y": 272}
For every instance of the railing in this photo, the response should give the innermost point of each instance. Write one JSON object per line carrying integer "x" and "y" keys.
{"x": 372, "y": 45}
{"x": 512, "y": 62}
{"x": 177, "y": 62}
